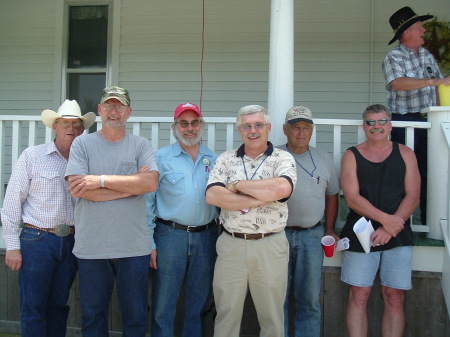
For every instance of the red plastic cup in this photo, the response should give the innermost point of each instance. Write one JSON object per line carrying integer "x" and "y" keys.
{"x": 328, "y": 244}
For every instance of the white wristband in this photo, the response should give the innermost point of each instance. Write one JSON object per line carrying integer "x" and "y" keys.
{"x": 102, "y": 180}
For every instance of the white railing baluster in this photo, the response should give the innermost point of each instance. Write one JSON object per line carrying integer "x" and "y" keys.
{"x": 337, "y": 137}
{"x": 15, "y": 143}
{"x": 31, "y": 133}
{"x": 136, "y": 128}
{"x": 230, "y": 134}
{"x": 155, "y": 135}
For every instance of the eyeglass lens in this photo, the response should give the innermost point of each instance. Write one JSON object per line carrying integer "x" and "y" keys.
{"x": 256, "y": 126}
{"x": 185, "y": 124}
{"x": 66, "y": 124}
{"x": 119, "y": 108}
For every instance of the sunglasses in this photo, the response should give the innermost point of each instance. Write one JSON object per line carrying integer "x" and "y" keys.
{"x": 372, "y": 122}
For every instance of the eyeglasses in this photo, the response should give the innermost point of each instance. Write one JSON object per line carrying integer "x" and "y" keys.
{"x": 372, "y": 122}
{"x": 78, "y": 125}
{"x": 119, "y": 108}
{"x": 256, "y": 126}
{"x": 185, "y": 124}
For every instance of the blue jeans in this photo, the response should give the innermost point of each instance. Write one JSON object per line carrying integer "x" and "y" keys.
{"x": 47, "y": 273}
{"x": 304, "y": 277}
{"x": 421, "y": 151}
{"x": 96, "y": 279}
{"x": 182, "y": 257}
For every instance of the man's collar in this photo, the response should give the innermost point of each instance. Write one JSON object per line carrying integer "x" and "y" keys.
{"x": 178, "y": 150}
{"x": 405, "y": 48}
{"x": 241, "y": 150}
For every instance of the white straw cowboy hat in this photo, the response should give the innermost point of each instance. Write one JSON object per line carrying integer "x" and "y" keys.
{"x": 69, "y": 109}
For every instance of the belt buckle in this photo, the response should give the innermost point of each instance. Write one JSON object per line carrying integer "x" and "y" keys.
{"x": 189, "y": 228}
{"x": 62, "y": 230}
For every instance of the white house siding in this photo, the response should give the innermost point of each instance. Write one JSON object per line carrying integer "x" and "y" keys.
{"x": 27, "y": 55}
{"x": 339, "y": 46}
{"x": 156, "y": 53}
{"x": 160, "y": 55}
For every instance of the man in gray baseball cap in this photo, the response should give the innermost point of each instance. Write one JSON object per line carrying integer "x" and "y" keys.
{"x": 315, "y": 196}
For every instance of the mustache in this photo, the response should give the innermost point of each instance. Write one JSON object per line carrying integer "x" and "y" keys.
{"x": 377, "y": 130}
{"x": 190, "y": 132}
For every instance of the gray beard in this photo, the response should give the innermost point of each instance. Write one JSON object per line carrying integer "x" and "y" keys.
{"x": 190, "y": 141}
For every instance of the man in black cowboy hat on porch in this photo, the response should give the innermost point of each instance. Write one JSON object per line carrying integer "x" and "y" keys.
{"x": 412, "y": 75}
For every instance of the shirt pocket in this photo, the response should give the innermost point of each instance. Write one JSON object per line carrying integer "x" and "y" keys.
{"x": 173, "y": 183}
{"x": 48, "y": 183}
{"x": 319, "y": 186}
{"x": 127, "y": 168}
{"x": 47, "y": 180}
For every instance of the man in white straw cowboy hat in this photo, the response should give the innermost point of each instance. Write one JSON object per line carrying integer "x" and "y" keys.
{"x": 109, "y": 172}
{"x": 39, "y": 196}
{"x": 412, "y": 75}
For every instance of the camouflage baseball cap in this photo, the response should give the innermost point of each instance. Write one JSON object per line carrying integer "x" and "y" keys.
{"x": 118, "y": 93}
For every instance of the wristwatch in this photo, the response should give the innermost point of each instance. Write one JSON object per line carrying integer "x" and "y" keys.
{"x": 234, "y": 183}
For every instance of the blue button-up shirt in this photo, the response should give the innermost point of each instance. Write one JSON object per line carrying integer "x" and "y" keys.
{"x": 180, "y": 196}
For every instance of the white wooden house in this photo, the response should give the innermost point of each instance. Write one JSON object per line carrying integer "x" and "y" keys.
{"x": 222, "y": 55}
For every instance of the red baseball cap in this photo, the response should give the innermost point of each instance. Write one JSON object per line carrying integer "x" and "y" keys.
{"x": 187, "y": 106}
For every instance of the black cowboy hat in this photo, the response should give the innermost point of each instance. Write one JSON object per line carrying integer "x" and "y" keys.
{"x": 404, "y": 18}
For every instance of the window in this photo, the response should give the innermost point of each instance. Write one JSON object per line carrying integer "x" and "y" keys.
{"x": 87, "y": 52}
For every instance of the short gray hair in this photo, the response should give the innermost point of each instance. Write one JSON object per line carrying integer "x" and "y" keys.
{"x": 250, "y": 110}
{"x": 376, "y": 108}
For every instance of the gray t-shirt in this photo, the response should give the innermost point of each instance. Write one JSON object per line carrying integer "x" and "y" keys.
{"x": 116, "y": 228}
{"x": 307, "y": 203}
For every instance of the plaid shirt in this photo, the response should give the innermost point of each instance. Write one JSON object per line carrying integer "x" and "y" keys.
{"x": 404, "y": 62}
{"x": 37, "y": 193}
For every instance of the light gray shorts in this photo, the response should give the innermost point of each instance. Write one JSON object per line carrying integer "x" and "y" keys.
{"x": 360, "y": 269}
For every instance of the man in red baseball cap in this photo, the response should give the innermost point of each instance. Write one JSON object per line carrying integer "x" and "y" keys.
{"x": 184, "y": 225}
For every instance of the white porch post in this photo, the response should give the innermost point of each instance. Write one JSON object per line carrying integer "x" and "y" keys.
{"x": 437, "y": 198}
{"x": 281, "y": 66}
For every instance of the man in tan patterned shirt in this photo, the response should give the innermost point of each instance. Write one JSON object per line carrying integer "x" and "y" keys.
{"x": 251, "y": 186}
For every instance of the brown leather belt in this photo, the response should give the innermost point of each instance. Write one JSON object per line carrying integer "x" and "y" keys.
{"x": 60, "y": 230}
{"x": 298, "y": 228}
{"x": 245, "y": 236}
{"x": 191, "y": 229}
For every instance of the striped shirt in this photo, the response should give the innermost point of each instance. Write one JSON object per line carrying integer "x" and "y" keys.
{"x": 37, "y": 193}
{"x": 404, "y": 62}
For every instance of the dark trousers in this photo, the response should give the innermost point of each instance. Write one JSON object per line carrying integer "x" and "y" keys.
{"x": 420, "y": 149}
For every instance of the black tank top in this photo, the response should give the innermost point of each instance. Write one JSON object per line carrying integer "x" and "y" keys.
{"x": 383, "y": 184}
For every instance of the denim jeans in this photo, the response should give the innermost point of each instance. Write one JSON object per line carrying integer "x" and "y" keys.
{"x": 182, "y": 257}
{"x": 47, "y": 273}
{"x": 421, "y": 151}
{"x": 304, "y": 278}
{"x": 96, "y": 279}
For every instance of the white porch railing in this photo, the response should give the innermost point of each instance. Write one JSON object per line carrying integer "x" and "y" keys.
{"x": 333, "y": 135}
